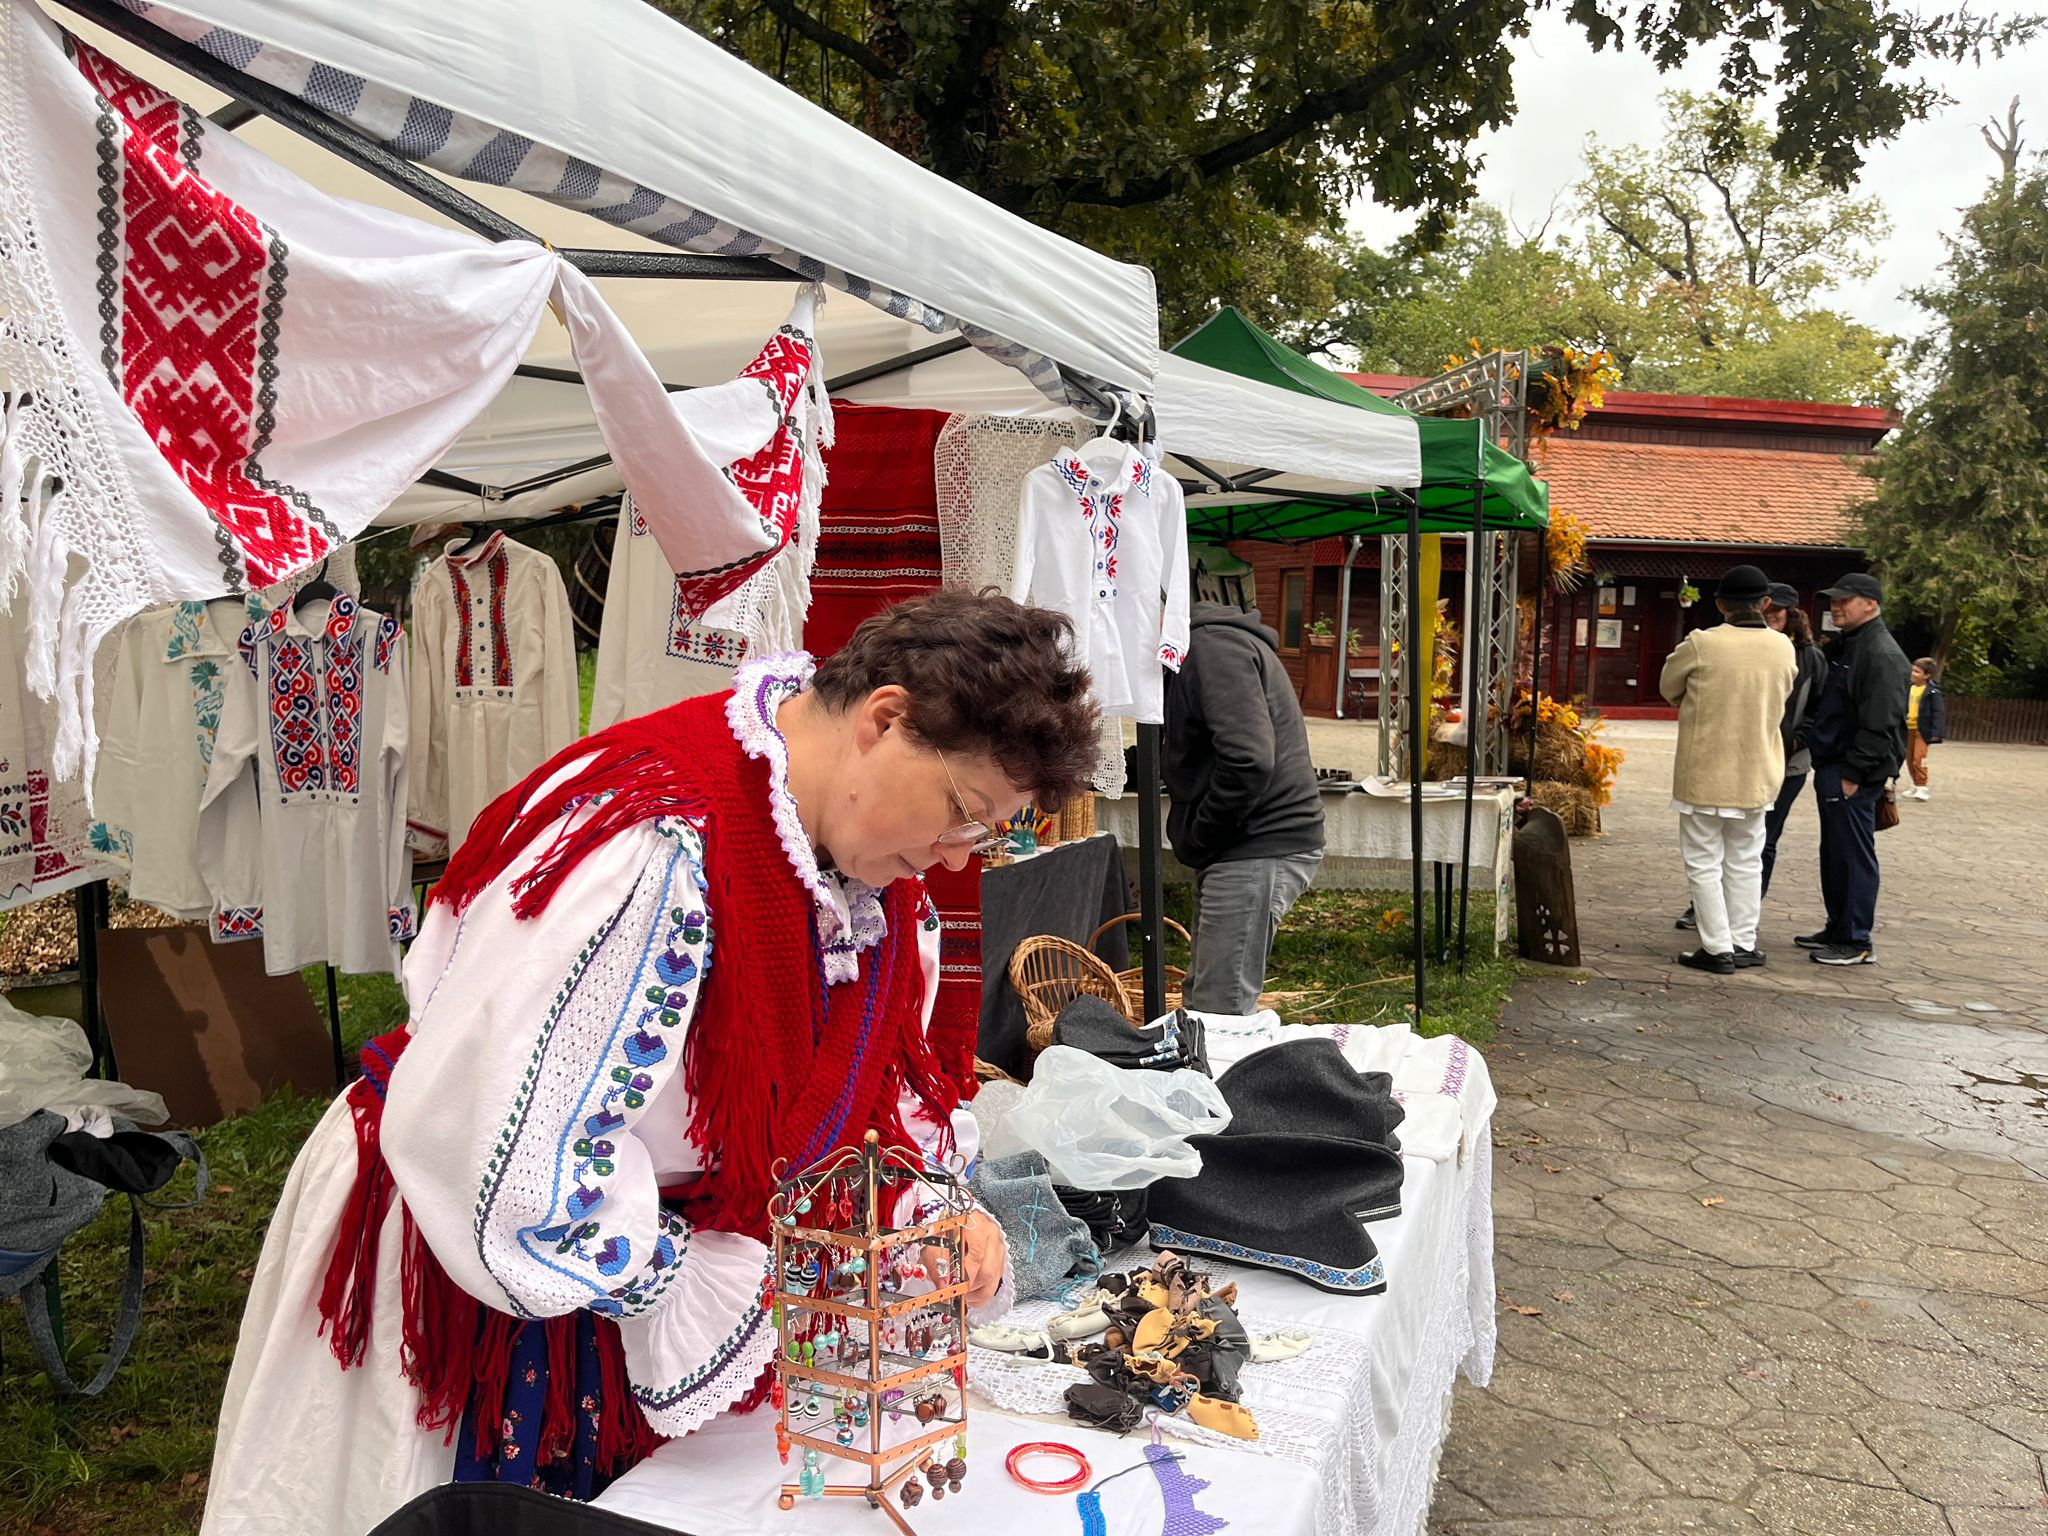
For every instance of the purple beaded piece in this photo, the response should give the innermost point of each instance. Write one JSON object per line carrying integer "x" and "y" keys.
{"x": 1179, "y": 1490}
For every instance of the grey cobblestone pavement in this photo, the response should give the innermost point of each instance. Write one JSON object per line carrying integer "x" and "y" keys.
{"x": 1773, "y": 1248}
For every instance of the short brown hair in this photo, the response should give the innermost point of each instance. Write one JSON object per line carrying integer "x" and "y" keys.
{"x": 1926, "y": 664}
{"x": 985, "y": 675}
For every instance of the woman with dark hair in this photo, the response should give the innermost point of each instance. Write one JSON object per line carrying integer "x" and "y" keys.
{"x": 1783, "y": 613}
{"x": 690, "y": 948}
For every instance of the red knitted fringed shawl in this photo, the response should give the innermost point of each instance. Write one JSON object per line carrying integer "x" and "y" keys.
{"x": 779, "y": 1066}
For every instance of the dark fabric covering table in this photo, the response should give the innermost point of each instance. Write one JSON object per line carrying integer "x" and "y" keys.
{"x": 1068, "y": 891}
{"x": 504, "y": 1509}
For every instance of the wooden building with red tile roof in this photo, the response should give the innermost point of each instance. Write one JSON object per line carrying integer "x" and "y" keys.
{"x": 1674, "y": 490}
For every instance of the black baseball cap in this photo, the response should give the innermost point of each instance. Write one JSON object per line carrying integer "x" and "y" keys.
{"x": 1784, "y": 596}
{"x": 1744, "y": 584}
{"x": 1856, "y": 584}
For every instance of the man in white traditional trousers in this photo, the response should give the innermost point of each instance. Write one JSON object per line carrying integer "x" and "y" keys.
{"x": 529, "y": 1242}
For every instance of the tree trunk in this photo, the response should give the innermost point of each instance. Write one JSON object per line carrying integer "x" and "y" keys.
{"x": 1945, "y": 637}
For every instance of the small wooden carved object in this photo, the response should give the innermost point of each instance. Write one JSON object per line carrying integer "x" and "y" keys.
{"x": 1546, "y": 906}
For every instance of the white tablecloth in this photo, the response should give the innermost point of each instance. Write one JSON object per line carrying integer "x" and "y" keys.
{"x": 1362, "y": 833}
{"x": 1362, "y": 1415}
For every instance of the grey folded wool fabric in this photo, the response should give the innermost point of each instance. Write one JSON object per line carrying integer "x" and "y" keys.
{"x": 1306, "y": 1087}
{"x": 1047, "y": 1246}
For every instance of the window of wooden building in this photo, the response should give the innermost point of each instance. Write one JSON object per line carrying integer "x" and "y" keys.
{"x": 1293, "y": 605}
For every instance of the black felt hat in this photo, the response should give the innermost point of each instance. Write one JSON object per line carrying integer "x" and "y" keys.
{"x": 1284, "y": 1202}
{"x": 1092, "y": 1025}
{"x": 1307, "y": 1087}
{"x": 1744, "y": 584}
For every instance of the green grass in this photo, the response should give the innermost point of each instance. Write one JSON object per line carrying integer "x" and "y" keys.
{"x": 133, "y": 1462}
{"x": 1346, "y": 957}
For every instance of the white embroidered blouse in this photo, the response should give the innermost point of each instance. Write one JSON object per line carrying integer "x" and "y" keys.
{"x": 493, "y": 683}
{"x": 171, "y": 681}
{"x": 540, "y": 1107}
{"x": 1102, "y": 537}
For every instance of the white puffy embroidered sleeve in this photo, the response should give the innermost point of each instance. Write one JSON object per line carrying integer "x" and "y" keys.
{"x": 529, "y": 1122}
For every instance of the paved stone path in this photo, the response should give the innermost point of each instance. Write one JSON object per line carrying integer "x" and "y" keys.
{"x": 1773, "y": 1249}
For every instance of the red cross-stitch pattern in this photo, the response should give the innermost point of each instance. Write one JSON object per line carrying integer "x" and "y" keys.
{"x": 193, "y": 268}
{"x": 772, "y": 480}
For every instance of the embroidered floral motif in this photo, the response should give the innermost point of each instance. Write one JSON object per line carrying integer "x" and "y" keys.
{"x": 294, "y": 717}
{"x": 209, "y": 692}
{"x": 389, "y": 633}
{"x": 111, "y": 842}
{"x": 186, "y": 634}
{"x": 486, "y": 614}
{"x": 231, "y": 923}
{"x": 344, "y": 701}
{"x": 1102, "y": 508}
{"x": 698, "y": 642}
{"x": 1171, "y": 656}
{"x": 404, "y": 923}
{"x": 848, "y": 913}
{"x": 465, "y": 663}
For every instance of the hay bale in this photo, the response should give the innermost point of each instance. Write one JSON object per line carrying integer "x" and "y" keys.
{"x": 1446, "y": 760}
{"x": 1572, "y": 804}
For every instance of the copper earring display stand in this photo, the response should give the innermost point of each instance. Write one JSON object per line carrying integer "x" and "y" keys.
{"x": 879, "y": 1369}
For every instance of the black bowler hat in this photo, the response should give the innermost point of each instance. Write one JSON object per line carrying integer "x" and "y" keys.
{"x": 1308, "y": 1086}
{"x": 1744, "y": 584}
{"x": 1783, "y": 596}
{"x": 1856, "y": 584}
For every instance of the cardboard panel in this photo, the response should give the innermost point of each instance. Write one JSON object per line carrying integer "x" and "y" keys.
{"x": 203, "y": 1025}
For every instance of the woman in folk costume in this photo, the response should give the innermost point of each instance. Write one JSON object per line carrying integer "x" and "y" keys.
{"x": 528, "y": 1243}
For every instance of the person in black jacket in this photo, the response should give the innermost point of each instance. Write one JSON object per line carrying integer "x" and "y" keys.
{"x": 1247, "y": 817}
{"x": 1858, "y": 744}
{"x": 1784, "y": 614}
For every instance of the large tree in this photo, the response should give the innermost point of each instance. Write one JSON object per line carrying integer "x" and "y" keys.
{"x": 1174, "y": 125}
{"x": 1701, "y": 265}
{"x": 1958, "y": 522}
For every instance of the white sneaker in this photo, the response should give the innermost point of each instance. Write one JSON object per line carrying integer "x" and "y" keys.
{"x": 1923, "y": 793}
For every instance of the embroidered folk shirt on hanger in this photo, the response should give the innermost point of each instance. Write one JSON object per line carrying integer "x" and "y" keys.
{"x": 318, "y": 747}
{"x": 493, "y": 683}
{"x": 1102, "y": 537}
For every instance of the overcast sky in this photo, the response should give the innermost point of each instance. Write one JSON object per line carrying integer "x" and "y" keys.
{"x": 1924, "y": 176}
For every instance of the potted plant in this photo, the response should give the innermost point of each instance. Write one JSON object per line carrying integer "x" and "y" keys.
{"x": 1322, "y": 633}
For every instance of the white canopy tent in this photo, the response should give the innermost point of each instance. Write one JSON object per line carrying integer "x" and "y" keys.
{"x": 1227, "y": 438}
{"x": 514, "y": 119}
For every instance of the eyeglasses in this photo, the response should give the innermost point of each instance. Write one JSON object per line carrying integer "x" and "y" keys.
{"x": 974, "y": 836}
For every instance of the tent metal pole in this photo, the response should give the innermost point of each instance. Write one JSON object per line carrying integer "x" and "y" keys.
{"x": 1536, "y": 646}
{"x": 1418, "y": 715}
{"x": 1479, "y": 596}
{"x": 889, "y": 365}
{"x": 1151, "y": 878}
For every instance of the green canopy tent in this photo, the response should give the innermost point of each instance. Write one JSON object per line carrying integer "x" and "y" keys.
{"x": 1469, "y": 485}
{"x": 1457, "y": 458}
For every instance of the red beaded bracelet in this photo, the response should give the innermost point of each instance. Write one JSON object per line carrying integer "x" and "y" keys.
{"x": 1048, "y": 1448}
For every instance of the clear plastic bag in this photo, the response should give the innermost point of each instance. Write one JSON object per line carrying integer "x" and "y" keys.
{"x": 43, "y": 1063}
{"x": 1103, "y": 1127}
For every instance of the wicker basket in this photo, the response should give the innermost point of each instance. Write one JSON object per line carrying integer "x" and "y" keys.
{"x": 1050, "y": 973}
{"x": 1134, "y": 979}
{"x": 1077, "y": 818}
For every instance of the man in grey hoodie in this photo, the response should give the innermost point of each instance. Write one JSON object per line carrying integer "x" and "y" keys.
{"x": 1247, "y": 817}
